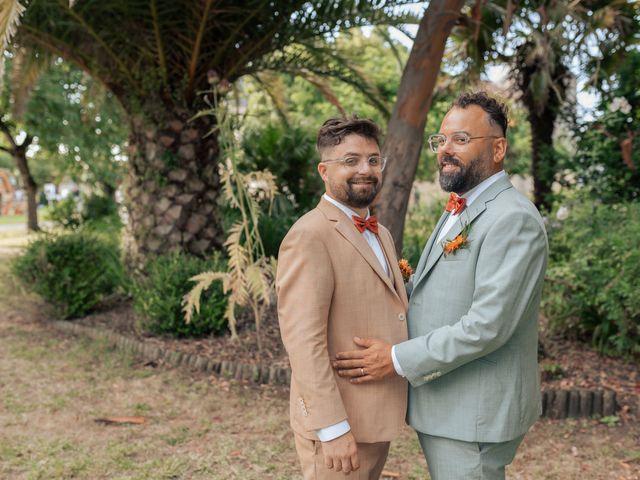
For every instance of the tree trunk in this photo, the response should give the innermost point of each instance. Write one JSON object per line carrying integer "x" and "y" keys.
{"x": 542, "y": 156}
{"x": 30, "y": 186}
{"x": 405, "y": 130}
{"x": 171, "y": 188}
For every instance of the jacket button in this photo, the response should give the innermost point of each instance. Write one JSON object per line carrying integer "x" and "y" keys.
{"x": 402, "y": 317}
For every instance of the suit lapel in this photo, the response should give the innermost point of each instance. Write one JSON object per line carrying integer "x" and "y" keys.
{"x": 466, "y": 218}
{"x": 398, "y": 282}
{"x": 353, "y": 236}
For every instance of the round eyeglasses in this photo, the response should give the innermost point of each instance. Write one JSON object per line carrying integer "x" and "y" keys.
{"x": 376, "y": 162}
{"x": 459, "y": 140}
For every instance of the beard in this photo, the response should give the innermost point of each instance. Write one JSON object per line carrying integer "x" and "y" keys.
{"x": 467, "y": 177}
{"x": 358, "y": 196}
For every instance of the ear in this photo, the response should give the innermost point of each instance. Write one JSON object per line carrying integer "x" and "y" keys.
{"x": 500, "y": 149}
{"x": 322, "y": 170}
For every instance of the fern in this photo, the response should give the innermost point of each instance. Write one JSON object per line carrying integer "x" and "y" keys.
{"x": 250, "y": 278}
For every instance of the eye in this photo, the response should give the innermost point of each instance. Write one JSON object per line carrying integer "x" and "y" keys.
{"x": 460, "y": 138}
{"x": 351, "y": 161}
{"x": 374, "y": 161}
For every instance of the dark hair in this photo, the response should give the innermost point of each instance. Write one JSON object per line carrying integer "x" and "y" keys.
{"x": 335, "y": 129}
{"x": 497, "y": 111}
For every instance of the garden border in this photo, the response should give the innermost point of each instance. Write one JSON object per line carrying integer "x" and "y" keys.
{"x": 556, "y": 404}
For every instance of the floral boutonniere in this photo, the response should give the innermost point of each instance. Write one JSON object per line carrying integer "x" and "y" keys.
{"x": 405, "y": 269}
{"x": 450, "y": 246}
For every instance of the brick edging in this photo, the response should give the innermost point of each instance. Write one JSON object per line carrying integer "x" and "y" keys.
{"x": 556, "y": 404}
{"x": 255, "y": 373}
{"x": 578, "y": 403}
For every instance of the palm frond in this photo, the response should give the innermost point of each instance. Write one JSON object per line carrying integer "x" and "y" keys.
{"x": 191, "y": 301}
{"x": 27, "y": 67}
{"x": 10, "y": 12}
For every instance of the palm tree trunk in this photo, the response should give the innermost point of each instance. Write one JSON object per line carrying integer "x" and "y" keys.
{"x": 405, "y": 131}
{"x": 542, "y": 156}
{"x": 172, "y": 188}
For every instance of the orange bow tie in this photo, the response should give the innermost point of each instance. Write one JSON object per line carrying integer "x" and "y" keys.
{"x": 455, "y": 204}
{"x": 370, "y": 223}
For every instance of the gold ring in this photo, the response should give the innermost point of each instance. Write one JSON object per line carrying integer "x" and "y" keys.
{"x": 362, "y": 371}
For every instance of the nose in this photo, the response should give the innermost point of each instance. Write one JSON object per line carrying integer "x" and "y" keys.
{"x": 447, "y": 148}
{"x": 364, "y": 167}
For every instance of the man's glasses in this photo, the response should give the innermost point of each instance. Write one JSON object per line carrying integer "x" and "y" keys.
{"x": 376, "y": 162}
{"x": 459, "y": 139}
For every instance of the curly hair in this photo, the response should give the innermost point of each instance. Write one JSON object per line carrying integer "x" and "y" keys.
{"x": 334, "y": 130}
{"x": 498, "y": 112}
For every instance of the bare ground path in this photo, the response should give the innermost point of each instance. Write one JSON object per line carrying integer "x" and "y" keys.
{"x": 53, "y": 387}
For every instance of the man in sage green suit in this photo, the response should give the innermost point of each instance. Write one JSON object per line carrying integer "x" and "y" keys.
{"x": 471, "y": 359}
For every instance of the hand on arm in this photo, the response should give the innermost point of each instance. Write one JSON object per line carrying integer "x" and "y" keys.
{"x": 362, "y": 366}
{"x": 341, "y": 454}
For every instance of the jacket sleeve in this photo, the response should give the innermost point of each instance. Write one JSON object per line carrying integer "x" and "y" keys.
{"x": 509, "y": 275}
{"x": 304, "y": 285}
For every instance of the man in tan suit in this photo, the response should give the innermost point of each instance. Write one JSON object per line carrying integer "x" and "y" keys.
{"x": 338, "y": 277}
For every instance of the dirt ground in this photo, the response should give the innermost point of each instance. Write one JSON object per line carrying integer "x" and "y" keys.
{"x": 54, "y": 386}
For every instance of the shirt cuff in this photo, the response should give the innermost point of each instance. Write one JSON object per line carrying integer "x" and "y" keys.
{"x": 334, "y": 431}
{"x": 396, "y": 364}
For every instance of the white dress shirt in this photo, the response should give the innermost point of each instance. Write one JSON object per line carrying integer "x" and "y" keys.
{"x": 334, "y": 431}
{"x": 470, "y": 197}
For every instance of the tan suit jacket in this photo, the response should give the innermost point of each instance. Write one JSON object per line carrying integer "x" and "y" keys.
{"x": 331, "y": 287}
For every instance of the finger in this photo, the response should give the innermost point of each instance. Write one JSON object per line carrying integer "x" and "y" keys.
{"x": 350, "y": 355}
{"x": 363, "y": 342}
{"x": 355, "y": 462}
{"x": 365, "y": 379}
{"x": 346, "y": 465}
{"x": 348, "y": 364}
{"x": 328, "y": 461}
{"x": 351, "y": 373}
{"x": 337, "y": 465}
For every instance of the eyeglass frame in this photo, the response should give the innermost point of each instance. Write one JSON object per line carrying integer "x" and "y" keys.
{"x": 343, "y": 160}
{"x": 465, "y": 134}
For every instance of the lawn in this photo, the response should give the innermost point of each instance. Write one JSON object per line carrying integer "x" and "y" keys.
{"x": 12, "y": 219}
{"x": 55, "y": 385}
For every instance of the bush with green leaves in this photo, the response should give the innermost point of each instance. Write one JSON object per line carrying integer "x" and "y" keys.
{"x": 96, "y": 212}
{"x": 65, "y": 212}
{"x": 290, "y": 154}
{"x": 592, "y": 288}
{"x": 159, "y": 292}
{"x": 607, "y": 160}
{"x": 73, "y": 271}
{"x": 420, "y": 222}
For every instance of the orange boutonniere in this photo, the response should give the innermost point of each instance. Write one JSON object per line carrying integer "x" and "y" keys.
{"x": 405, "y": 269}
{"x": 451, "y": 246}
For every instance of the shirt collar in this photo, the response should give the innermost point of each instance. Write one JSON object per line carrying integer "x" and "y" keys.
{"x": 346, "y": 210}
{"x": 476, "y": 191}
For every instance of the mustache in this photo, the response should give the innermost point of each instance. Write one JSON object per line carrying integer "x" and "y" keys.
{"x": 373, "y": 180}
{"x": 451, "y": 160}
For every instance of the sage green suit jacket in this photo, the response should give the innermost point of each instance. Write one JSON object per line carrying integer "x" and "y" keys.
{"x": 471, "y": 360}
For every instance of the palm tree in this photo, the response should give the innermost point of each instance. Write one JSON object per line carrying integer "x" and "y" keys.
{"x": 157, "y": 56}
{"x": 539, "y": 40}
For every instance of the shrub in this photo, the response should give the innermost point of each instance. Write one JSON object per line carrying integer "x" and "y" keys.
{"x": 73, "y": 271}
{"x": 65, "y": 212}
{"x": 158, "y": 296}
{"x": 96, "y": 212}
{"x": 98, "y": 207}
{"x": 421, "y": 219}
{"x": 592, "y": 289}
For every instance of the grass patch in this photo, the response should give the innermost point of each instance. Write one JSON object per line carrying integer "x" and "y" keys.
{"x": 13, "y": 219}
{"x": 205, "y": 428}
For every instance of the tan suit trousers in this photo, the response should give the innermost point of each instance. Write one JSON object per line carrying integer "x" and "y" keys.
{"x": 372, "y": 459}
